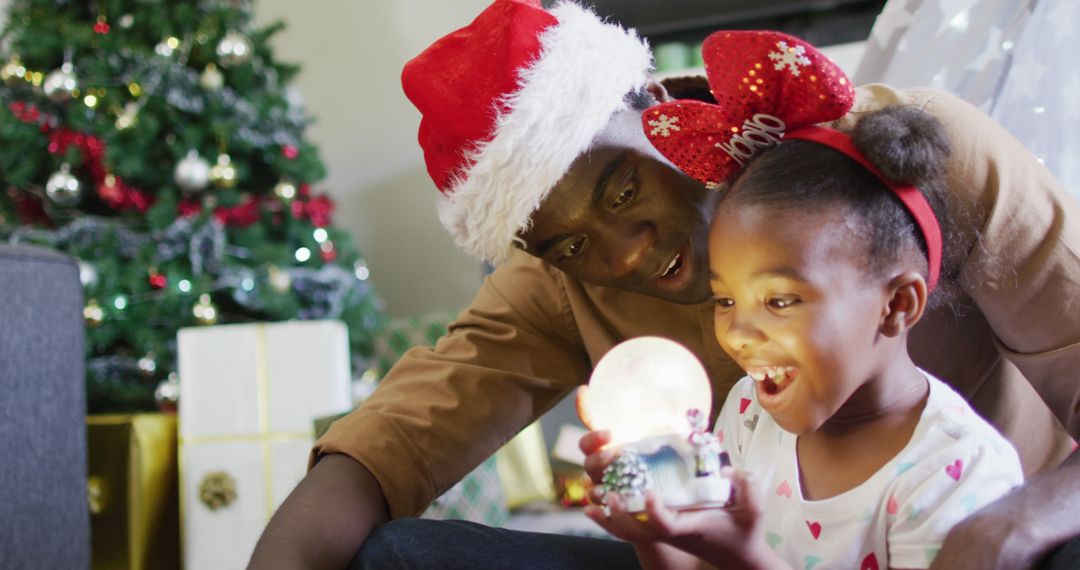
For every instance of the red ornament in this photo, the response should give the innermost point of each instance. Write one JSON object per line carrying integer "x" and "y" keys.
{"x": 188, "y": 208}
{"x": 329, "y": 254}
{"x": 101, "y": 27}
{"x": 319, "y": 211}
{"x": 242, "y": 215}
{"x": 158, "y": 281}
{"x": 290, "y": 152}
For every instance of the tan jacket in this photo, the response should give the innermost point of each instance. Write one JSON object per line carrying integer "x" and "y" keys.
{"x": 532, "y": 334}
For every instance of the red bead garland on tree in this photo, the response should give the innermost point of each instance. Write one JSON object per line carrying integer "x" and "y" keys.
{"x": 111, "y": 189}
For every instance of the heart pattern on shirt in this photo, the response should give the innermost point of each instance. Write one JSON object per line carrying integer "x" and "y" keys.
{"x": 955, "y": 470}
{"x": 870, "y": 562}
{"x": 743, "y": 404}
{"x": 815, "y": 529}
{"x": 751, "y": 423}
{"x": 892, "y": 506}
{"x": 783, "y": 489}
{"x": 773, "y": 539}
{"x": 811, "y": 561}
{"x": 969, "y": 503}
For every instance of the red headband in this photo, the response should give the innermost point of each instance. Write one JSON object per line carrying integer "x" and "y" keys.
{"x": 912, "y": 198}
{"x": 769, "y": 87}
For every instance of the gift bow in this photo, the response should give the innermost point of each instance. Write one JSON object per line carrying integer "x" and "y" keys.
{"x": 765, "y": 84}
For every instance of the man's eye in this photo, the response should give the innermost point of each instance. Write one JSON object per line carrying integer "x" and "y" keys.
{"x": 725, "y": 302}
{"x": 625, "y": 196}
{"x": 573, "y": 248}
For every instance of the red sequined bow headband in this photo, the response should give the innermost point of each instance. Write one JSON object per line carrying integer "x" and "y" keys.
{"x": 769, "y": 87}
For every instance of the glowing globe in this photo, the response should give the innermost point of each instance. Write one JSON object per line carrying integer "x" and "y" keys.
{"x": 644, "y": 387}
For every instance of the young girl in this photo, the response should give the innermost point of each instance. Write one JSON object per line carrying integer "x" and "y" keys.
{"x": 823, "y": 255}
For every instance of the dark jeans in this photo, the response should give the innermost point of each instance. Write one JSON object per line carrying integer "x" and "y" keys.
{"x": 1065, "y": 558}
{"x": 448, "y": 545}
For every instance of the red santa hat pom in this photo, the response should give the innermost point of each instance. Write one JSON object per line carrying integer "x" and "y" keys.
{"x": 508, "y": 103}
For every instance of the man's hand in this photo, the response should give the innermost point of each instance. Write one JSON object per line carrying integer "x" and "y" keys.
{"x": 1021, "y": 528}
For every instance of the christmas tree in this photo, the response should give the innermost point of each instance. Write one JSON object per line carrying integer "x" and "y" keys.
{"x": 159, "y": 144}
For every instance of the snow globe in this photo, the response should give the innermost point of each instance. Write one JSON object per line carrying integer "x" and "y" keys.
{"x": 655, "y": 398}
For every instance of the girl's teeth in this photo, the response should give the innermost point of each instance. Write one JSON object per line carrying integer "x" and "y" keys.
{"x": 778, "y": 374}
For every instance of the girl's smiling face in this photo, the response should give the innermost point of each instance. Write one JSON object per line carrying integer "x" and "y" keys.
{"x": 797, "y": 308}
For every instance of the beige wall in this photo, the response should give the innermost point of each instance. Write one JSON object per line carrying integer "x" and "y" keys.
{"x": 352, "y": 53}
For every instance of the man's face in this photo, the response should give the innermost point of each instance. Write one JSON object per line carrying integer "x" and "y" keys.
{"x": 624, "y": 217}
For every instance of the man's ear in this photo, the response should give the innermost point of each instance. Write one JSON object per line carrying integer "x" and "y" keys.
{"x": 657, "y": 89}
{"x": 906, "y": 303}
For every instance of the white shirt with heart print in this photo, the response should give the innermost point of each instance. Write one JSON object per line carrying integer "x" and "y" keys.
{"x": 954, "y": 464}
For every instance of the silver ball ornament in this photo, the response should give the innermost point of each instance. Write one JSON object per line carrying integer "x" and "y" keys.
{"x": 60, "y": 84}
{"x": 234, "y": 49}
{"x": 192, "y": 174}
{"x": 211, "y": 79}
{"x": 63, "y": 189}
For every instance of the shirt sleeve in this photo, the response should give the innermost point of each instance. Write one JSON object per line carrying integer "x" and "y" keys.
{"x": 943, "y": 489}
{"x": 440, "y": 411}
{"x": 1024, "y": 270}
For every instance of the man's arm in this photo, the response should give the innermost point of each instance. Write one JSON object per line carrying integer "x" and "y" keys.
{"x": 1020, "y": 529}
{"x": 437, "y": 414}
{"x": 1023, "y": 278}
{"x": 324, "y": 520}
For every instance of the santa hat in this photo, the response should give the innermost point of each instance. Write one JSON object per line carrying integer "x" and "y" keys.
{"x": 508, "y": 103}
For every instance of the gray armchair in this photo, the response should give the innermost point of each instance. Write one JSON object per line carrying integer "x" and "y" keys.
{"x": 44, "y": 519}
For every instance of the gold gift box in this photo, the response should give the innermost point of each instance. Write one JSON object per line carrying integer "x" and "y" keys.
{"x": 132, "y": 491}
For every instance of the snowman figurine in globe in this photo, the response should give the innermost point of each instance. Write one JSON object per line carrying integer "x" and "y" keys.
{"x": 654, "y": 397}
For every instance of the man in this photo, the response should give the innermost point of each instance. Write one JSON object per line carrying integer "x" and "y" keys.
{"x": 532, "y": 132}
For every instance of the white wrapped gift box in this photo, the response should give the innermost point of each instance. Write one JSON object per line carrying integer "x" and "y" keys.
{"x": 248, "y": 397}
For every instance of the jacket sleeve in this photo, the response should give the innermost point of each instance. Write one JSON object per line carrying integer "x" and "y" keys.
{"x": 513, "y": 354}
{"x": 1023, "y": 268}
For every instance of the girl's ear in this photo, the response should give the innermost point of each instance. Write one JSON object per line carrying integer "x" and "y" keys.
{"x": 658, "y": 90}
{"x": 907, "y": 301}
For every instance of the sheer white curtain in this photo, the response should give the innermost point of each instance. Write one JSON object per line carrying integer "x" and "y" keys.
{"x": 1015, "y": 59}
